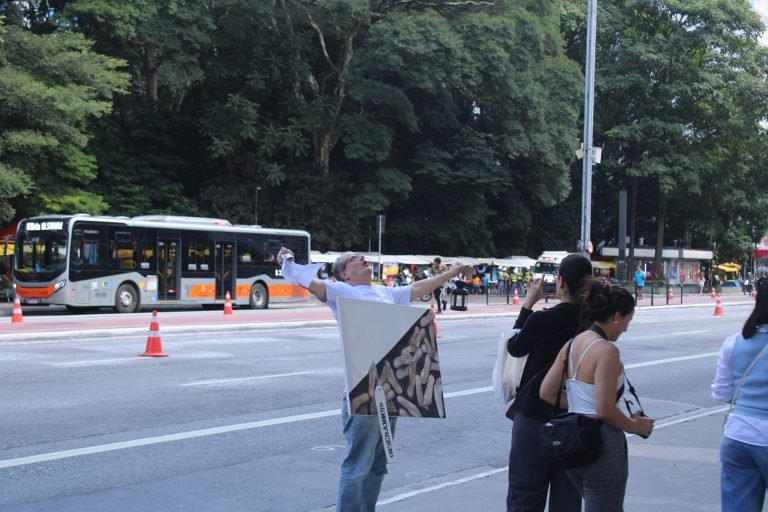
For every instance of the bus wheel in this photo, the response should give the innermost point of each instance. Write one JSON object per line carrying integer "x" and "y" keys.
{"x": 126, "y": 299}
{"x": 259, "y": 297}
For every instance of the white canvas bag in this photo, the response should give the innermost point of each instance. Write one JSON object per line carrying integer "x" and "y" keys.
{"x": 508, "y": 371}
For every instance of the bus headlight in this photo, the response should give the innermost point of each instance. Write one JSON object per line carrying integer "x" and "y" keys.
{"x": 58, "y": 286}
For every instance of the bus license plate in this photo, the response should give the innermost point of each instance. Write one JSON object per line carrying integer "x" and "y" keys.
{"x": 33, "y": 301}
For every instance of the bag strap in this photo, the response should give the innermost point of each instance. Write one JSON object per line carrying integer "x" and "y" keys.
{"x": 565, "y": 373}
{"x": 744, "y": 377}
{"x": 581, "y": 358}
{"x": 631, "y": 389}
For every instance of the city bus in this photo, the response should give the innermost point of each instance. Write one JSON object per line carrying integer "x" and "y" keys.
{"x": 84, "y": 262}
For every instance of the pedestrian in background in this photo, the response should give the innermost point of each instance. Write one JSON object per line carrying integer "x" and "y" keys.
{"x": 594, "y": 385}
{"x": 741, "y": 379}
{"x": 365, "y": 463}
{"x": 541, "y": 336}
{"x": 437, "y": 269}
{"x": 639, "y": 282}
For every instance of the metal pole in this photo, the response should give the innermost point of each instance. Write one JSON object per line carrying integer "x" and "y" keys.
{"x": 589, "y": 93}
{"x": 256, "y": 205}
{"x": 379, "y": 255}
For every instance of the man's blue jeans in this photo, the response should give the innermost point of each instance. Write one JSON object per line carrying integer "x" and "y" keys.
{"x": 365, "y": 464}
{"x": 743, "y": 476}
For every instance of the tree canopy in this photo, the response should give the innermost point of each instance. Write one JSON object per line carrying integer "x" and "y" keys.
{"x": 458, "y": 120}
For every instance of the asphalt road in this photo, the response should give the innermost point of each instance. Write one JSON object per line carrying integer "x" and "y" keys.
{"x": 248, "y": 420}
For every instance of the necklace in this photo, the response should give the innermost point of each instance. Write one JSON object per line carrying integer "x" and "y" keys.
{"x": 599, "y": 330}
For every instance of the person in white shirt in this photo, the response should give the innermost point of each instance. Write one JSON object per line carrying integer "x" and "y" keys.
{"x": 365, "y": 463}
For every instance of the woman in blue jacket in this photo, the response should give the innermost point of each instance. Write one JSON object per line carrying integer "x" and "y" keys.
{"x": 742, "y": 379}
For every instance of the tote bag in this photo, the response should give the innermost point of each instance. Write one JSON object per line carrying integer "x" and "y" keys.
{"x": 507, "y": 372}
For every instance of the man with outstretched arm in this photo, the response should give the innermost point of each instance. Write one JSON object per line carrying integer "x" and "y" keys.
{"x": 365, "y": 463}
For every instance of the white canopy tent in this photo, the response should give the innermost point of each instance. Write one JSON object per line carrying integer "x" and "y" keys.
{"x": 515, "y": 261}
{"x": 426, "y": 259}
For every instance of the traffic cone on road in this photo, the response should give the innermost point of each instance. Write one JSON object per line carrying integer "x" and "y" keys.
{"x": 17, "y": 318}
{"x": 671, "y": 295}
{"x": 718, "y": 307}
{"x": 516, "y": 299}
{"x": 754, "y": 291}
{"x": 154, "y": 344}
{"x": 227, "y": 305}
{"x": 713, "y": 294}
{"x": 434, "y": 321}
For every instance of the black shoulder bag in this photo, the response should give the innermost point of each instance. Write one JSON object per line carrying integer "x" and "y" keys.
{"x": 572, "y": 440}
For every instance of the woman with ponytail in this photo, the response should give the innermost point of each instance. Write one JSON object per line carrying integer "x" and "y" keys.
{"x": 594, "y": 385}
{"x": 540, "y": 335}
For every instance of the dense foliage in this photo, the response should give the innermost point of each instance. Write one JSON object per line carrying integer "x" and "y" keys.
{"x": 457, "y": 119}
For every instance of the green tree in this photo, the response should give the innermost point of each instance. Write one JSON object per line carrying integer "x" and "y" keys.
{"x": 52, "y": 87}
{"x": 680, "y": 88}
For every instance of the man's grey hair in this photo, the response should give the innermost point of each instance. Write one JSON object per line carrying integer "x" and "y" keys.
{"x": 340, "y": 264}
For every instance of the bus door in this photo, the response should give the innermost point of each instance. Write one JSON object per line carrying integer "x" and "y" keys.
{"x": 168, "y": 269}
{"x": 225, "y": 269}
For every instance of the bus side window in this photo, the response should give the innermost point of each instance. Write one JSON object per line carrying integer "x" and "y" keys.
{"x": 271, "y": 248}
{"x": 197, "y": 254}
{"x": 89, "y": 247}
{"x": 147, "y": 242}
{"x": 76, "y": 257}
{"x": 123, "y": 250}
{"x": 298, "y": 246}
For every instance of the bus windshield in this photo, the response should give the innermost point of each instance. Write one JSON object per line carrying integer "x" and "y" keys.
{"x": 40, "y": 255}
{"x": 542, "y": 267}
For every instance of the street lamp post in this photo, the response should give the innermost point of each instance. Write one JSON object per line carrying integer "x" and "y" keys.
{"x": 752, "y": 229}
{"x": 256, "y": 205}
{"x": 589, "y": 103}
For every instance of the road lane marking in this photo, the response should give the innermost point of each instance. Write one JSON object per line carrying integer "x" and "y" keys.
{"x": 243, "y": 379}
{"x": 406, "y": 495}
{"x": 94, "y": 362}
{"x": 663, "y": 335}
{"x": 670, "y": 360}
{"x": 64, "y": 454}
{"x": 147, "y": 441}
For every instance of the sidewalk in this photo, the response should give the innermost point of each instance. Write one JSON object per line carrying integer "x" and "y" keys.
{"x": 676, "y": 470}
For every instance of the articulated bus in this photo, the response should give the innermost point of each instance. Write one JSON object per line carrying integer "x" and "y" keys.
{"x": 83, "y": 262}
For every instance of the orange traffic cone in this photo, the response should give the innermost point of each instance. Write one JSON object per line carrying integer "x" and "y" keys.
{"x": 227, "y": 305}
{"x": 17, "y": 318}
{"x": 437, "y": 335}
{"x": 718, "y": 307}
{"x": 713, "y": 294}
{"x": 516, "y": 300}
{"x": 154, "y": 345}
{"x": 754, "y": 291}
{"x": 671, "y": 295}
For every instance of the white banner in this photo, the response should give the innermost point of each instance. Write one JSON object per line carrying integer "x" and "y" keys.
{"x": 395, "y": 347}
